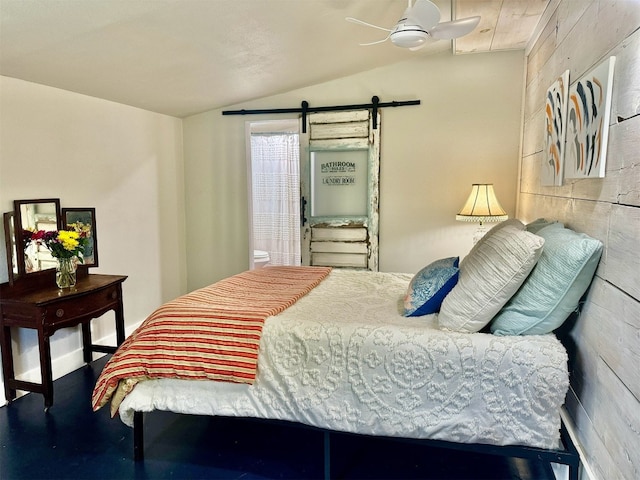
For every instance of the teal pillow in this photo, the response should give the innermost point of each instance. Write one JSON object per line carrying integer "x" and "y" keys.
{"x": 429, "y": 286}
{"x": 553, "y": 289}
{"x": 539, "y": 224}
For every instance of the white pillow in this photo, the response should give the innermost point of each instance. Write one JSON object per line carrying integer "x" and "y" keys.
{"x": 490, "y": 275}
{"x": 511, "y": 222}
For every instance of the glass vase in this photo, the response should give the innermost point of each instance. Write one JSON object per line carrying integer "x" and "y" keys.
{"x": 66, "y": 272}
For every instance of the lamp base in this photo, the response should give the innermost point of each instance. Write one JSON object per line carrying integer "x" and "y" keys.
{"x": 479, "y": 233}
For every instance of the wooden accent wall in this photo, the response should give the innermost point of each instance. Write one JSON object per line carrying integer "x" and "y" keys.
{"x": 603, "y": 402}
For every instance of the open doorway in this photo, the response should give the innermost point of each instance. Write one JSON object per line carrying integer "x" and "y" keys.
{"x": 273, "y": 171}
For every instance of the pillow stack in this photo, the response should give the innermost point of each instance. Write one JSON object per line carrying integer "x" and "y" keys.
{"x": 516, "y": 280}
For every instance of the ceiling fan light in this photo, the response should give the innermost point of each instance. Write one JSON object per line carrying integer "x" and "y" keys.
{"x": 409, "y": 38}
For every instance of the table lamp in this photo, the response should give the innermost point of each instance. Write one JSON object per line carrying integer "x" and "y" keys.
{"x": 481, "y": 206}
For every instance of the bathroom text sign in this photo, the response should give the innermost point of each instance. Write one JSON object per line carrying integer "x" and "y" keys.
{"x": 339, "y": 181}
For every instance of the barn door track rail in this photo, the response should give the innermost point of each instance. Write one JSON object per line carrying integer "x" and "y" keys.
{"x": 304, "y": 109}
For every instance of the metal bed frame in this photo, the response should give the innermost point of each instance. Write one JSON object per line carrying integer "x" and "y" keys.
{"x": 567, "y": 455}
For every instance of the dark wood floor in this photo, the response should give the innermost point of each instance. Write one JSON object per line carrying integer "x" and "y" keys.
{"x": 72, "y": 442}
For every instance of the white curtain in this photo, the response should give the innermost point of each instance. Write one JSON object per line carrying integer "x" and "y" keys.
{"x": 276, "y": 196}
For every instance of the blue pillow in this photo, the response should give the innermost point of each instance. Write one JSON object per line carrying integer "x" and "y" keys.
{"x": 554, "y": 288}
{"x": 429, "y": 286}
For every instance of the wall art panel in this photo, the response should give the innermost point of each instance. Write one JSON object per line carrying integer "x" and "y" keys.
{"x": 588, "y": 122}
{"x": 555, "y": 109}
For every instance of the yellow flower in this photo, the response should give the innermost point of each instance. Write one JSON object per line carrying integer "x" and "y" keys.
{"x": 69, "y": 239}
{"x": 81, "y": 228}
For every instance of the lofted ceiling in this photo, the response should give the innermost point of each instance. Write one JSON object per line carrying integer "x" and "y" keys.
{"x": 181, "y": 57}
{"x": 505, "y": 24}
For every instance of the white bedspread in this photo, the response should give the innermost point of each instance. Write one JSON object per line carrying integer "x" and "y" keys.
{"x": 344, "y": 358}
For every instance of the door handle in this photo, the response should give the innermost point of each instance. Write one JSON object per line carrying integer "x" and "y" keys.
{"x": 303, "y": 207}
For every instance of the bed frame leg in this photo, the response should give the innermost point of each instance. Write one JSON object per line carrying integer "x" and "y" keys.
{"x": 138, "y": 437}
{"x": 574, "y": 472}
{"x": 574, "y": 461}
{"x": 327, "y": 455}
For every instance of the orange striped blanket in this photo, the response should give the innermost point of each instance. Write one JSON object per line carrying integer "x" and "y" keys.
{"x": 210, "y": 334}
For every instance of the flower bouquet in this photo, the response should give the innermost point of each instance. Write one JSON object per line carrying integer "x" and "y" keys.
{"x": 67, "y": 246}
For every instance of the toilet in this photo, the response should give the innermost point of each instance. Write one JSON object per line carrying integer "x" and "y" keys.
{"x": 260, "y": 258}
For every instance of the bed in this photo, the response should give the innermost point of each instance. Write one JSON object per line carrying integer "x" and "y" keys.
{"x": 345, "y": 355}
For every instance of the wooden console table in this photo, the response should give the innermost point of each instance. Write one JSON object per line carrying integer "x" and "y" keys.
{"x": 45, "y": 308}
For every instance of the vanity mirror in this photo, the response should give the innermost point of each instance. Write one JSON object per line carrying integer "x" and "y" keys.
{"x": 10, "y": 244}
{"x": 39, "y": 214}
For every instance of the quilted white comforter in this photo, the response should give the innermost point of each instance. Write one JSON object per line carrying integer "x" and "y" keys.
{"x": 344, "y": 358}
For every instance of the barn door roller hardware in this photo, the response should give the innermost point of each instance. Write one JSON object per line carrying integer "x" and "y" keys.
{"x": 304, "y": 109}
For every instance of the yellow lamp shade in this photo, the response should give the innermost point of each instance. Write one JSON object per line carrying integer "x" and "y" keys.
{"x": 482, "y": 206}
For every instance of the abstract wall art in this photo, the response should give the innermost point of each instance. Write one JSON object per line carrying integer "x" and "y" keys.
{"x": 589, "y": 111}
{"x": 555, "y": 112}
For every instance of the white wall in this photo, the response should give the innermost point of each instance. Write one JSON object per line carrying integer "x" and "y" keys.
{"x": 603, "y": 401}
{"x": 125, "y": 162}
{"x": 466, "y": 130}
{"x": 128, "y": 164}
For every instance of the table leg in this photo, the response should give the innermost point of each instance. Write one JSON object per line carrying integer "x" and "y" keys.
{"x": 45, "y": 368}
{"x": 119, "y": 311}
{"x": 86, "y": 342}
{"x": 7, "y": 362}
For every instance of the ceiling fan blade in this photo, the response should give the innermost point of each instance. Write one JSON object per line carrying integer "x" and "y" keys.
{"x": 423, "y": 13}
{"x": 454, "y": 29}
{"x": 376, "y": 42}
{"x": 360, "y": 22}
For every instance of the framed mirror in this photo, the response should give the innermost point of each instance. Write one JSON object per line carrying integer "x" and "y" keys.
{"x": 84, "y": 220}
{"x": 10, "y": 245}
{"x": 40, "y": 214}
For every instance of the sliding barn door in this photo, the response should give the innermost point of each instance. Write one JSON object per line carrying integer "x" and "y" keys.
{"x": 340, "y": 190}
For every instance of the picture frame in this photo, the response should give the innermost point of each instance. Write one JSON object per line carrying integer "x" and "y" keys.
{"x": 588, "y": 118}
{"x": 87, "y": 217}
{"x": 552, "y": 169}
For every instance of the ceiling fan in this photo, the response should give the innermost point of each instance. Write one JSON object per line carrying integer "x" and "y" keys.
{"x": 419, "y": 23}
